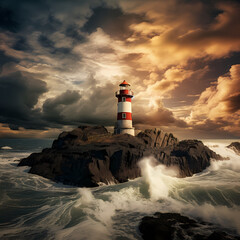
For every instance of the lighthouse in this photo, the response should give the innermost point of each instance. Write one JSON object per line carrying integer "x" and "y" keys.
{"x": 124, "y": 110}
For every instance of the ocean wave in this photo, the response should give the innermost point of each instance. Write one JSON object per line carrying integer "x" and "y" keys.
{"x": 34, "y": 207}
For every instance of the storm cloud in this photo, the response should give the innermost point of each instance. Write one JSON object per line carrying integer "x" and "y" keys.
{"x": 62, "y": 61}
{"x": 18, "y": 96}
{"x": 53, "y": 108}
{"x": 112, "y": 21}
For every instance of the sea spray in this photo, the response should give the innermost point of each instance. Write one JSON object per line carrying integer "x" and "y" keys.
{"x": 158, "y": 177}
{"x": 101, "y": 210}
{"x": 221, "y": 149}
{"x": 86, "y": 196}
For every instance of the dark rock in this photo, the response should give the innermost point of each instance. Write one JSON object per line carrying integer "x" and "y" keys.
{"x": 168, "y": 226}
{"x": 194, "y": 156}
{"x": 88, "y": 156}
{"x": 235, "y": 146}
{"x": 80, "y": 136}
{"x": 157, "y": 138}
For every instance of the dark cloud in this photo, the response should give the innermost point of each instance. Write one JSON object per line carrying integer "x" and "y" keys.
{"x": 74, "y": 32}
{"x": 6, "y": 59}
{"x": 24, "y": 15}
{"x": 49, "y": 44}
{"x": 99, "y": 106}
{"x": 9, "y": 20}
{"x": 160, "y": 116}
{"x": 27, "y": 16}
{"x": 45, "y": 41}
{"x": 71, "y": 108}
{"x": 113, "y": 21}
{"x": 18, "y": 96}
{"x": 22, "y": 44}
{"x": 53, "y": 108}
{"x": 50, "y": 24}
{"x": 13, "y": 126}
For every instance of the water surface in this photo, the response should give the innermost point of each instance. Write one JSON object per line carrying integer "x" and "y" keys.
{"x": 32, "y": 207}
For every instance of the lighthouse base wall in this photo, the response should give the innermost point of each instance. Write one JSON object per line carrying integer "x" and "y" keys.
{"x": 130, "y": 131}
{"x": 124, "y": 123}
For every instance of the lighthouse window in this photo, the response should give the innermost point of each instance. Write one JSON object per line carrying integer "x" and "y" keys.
{"x": 123, "y": 115}
{"x": 123, "y": 99}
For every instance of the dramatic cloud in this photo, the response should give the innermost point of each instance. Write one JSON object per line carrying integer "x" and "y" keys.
{"x": 178, "y": 33}
{"x": 157, "y": 115}
{"x": 8, "y": 21}
{"x": 172, "y": 78}
{"x": 62, "y": 61}
{"x": 18, "y": 96}
{"x": 219, "y": 104}
{"x": 112, "y": 21}
{"x": 53, "y": 108}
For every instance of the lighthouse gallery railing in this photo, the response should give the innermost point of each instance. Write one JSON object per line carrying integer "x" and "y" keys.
{"x": 124, "y": 92}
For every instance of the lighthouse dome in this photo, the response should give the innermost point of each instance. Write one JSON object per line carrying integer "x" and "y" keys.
{"x": 124, "y": 83}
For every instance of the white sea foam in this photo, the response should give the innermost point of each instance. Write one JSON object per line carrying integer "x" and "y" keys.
{"x": 6, "y": 148}
{"x": 221, "y": 215}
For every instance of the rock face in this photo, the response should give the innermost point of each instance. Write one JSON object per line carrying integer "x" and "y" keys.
{"x": 168, "y": 226}
{"x": 235, "y": 146}
{"x": 89, "y": 156}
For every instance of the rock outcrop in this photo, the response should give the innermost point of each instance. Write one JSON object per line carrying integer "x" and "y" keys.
{"x": 167, "y": 226}
{"x": 90, "y": 156}
{"x": 235, "y": 146}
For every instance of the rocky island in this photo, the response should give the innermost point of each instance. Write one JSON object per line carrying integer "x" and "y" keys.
{"x": 235, "y": 146}
{"x": 167, "y": 226}
{"x": 89, "y": 156}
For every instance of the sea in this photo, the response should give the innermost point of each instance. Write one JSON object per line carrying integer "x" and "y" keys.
{"x": 32, "y": 207}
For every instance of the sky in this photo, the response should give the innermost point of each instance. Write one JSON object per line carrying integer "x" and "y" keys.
{"x": 62, "y": 61}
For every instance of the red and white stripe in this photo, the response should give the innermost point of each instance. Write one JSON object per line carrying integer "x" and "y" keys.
{"x": 124, "y": 114}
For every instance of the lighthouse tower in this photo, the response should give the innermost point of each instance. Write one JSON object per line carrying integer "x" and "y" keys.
{"x": 124, "y": 114}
